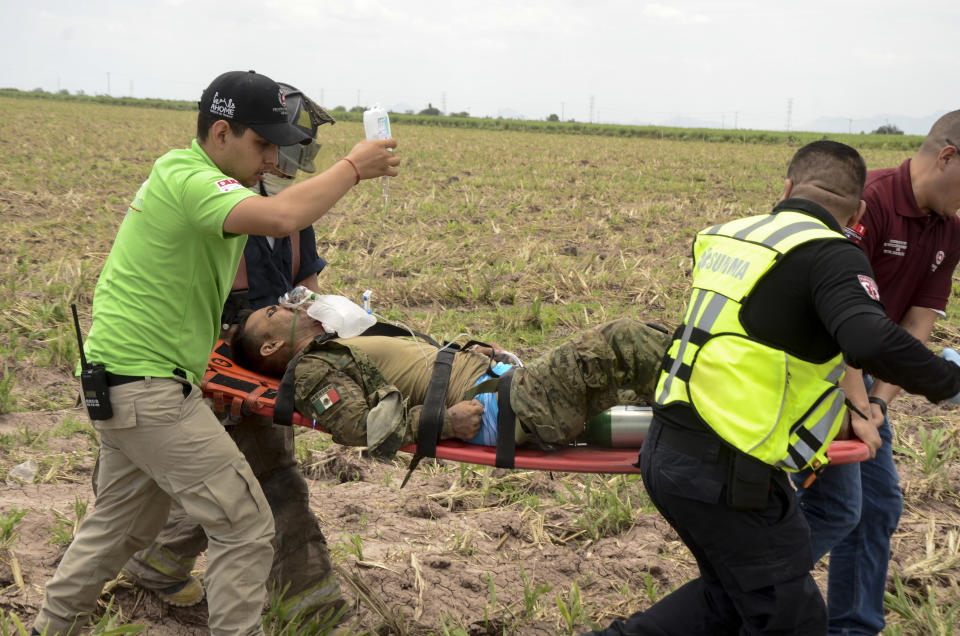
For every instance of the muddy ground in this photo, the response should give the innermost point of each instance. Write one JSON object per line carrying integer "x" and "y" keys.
{"x": 448, "y": 551}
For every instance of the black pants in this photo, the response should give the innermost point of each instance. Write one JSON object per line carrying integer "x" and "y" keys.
{"x": 754, "y": 564}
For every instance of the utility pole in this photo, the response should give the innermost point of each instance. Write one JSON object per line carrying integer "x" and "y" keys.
{"x": 850, "y": 125}
{"x": 591, "y": 109}
{"x": 561, "y": 111}
{"x": 789, "y": 112}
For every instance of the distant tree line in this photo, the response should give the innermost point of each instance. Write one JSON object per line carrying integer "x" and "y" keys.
{"x": 887, "y": 137}
{"x": 80, "y": 96}
{"x": 430, "y": 110}
{"x": 887, "y": 129}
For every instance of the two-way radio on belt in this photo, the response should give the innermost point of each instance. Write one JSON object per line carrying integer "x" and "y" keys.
{"x": 93, "y": 381}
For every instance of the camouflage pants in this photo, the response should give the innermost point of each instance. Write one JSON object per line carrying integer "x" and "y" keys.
{"x": 614, "y": 363}
{"x": 301, "y": 558}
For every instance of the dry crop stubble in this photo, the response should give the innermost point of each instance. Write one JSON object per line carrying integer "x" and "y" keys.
{"x": 518, "y": 238}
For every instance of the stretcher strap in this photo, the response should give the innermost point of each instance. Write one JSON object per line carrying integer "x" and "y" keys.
{"x": 396, "y": 331}
{"x": 506, "y": 424}
{"x": 283, "y": 406}
{"x": 434, "y": 408}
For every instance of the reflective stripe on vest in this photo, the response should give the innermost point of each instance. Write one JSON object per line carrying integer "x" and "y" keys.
{"x": 774, "y": 406}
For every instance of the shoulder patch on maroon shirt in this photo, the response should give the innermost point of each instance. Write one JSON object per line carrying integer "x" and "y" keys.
{"x": 937, "y": 259}
{"x": 869, "y": 286}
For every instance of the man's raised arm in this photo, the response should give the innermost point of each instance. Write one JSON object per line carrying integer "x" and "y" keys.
{"x": 303, "y": 203}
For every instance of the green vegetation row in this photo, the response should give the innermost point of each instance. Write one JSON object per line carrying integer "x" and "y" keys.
{"x": 64, "y": 96}
{"x": 457, "y": 120}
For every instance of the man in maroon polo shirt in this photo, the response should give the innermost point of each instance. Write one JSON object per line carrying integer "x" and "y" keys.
{"x": 911, "y": 235}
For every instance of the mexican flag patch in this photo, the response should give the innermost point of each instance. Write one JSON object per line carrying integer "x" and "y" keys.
{"x": 324, "y": 399}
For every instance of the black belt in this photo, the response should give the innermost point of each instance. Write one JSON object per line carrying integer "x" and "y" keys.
{"x": 702, "y": 444}
{"x": 116, "y": 380}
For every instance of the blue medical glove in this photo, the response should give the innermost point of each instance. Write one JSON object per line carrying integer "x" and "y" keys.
{"x": 954, "y": 357}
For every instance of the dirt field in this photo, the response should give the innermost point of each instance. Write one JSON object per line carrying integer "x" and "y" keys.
{"x": 433, "y": 553}
{"x": 515, "y": 238}
{"x": 447, "y": 551}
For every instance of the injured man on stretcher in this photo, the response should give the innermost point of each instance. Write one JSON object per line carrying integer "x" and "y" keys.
{"x": 370, "y": 390}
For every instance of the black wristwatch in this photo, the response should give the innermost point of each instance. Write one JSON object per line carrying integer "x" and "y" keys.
{"x": 879, "y": 402}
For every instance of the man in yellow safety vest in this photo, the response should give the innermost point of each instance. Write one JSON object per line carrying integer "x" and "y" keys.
{"x": 751, "y": 389}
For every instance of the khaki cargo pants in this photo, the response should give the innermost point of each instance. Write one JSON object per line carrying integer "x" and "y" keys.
{"x": 161, "y": 445}
{"x": 301, "y": 563}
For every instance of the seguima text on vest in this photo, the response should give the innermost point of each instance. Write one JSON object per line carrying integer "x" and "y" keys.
{"x": 716, "y": 261}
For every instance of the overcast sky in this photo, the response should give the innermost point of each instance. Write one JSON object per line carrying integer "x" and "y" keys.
{"x": 750, "y": 64}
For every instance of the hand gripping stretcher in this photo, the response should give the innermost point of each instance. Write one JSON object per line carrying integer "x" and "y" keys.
{"x": 239, "y": 392}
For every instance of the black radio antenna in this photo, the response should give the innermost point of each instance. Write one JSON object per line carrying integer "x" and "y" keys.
{"x": 76, "y": 323}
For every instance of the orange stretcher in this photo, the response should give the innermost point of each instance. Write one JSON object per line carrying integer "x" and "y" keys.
{"x": 242, "y": 392}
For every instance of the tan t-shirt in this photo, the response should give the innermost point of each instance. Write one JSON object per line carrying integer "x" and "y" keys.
{"x": 408, "y": 365}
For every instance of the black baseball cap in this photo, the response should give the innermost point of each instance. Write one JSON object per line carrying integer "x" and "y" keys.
{"x": 256, "y": 101}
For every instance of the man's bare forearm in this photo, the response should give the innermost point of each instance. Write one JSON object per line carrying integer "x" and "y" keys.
{"x": 303, "y": 203}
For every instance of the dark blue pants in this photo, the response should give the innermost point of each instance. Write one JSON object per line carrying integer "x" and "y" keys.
{"x": 754, "y": 564}
{"x": 853, "y": 510}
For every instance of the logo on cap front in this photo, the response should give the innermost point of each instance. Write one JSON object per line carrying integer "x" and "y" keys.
{"x": 223, "y": 106}
{"x": 282, "y": 108}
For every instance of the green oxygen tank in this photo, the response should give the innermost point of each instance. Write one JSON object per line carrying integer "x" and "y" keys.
{"x": 619, "y": 426}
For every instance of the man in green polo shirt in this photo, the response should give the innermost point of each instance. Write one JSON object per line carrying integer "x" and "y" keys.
{"x": 156, "y": 316}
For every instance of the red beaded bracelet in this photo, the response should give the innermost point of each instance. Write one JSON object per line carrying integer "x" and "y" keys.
{"x": 350, "y": 161}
